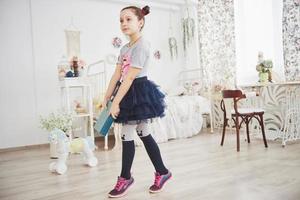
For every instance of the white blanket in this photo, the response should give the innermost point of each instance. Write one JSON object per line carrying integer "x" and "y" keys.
{"x": 183, "y": 118}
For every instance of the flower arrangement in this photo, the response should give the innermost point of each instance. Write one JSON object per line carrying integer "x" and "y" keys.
{"x": 265, "y": 66}
{"x": 77, "y": 65}
{"x": 81, "y": 63}
{"x": 56, "y": 120}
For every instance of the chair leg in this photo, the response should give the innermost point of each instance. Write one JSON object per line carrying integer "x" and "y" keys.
{"x": 224, "y": 128}
{"x": 263, "y": 129}
{"x": 247, "y": 129}
{"x": 237, "y": 133}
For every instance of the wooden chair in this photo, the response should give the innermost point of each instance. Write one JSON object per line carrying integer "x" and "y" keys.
{"x": 245, "y": 114}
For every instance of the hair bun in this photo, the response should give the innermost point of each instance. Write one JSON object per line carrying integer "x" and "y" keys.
{"x": 146, "y": 10}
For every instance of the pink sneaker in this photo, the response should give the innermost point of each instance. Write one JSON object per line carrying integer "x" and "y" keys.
{"x": 159, "y": 182}
{"x": 121, "y": 187}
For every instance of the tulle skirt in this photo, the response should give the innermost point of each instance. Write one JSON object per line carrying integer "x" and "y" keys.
{"x": 142, "y": 103}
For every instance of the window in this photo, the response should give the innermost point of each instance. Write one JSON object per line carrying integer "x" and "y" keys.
{"x": 258, "y": 27}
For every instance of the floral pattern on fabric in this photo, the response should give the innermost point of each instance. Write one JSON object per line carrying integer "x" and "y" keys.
{"x": 217, "y": 43}
{"x": 217, "y": 49}
{"x": 291, "y": 39}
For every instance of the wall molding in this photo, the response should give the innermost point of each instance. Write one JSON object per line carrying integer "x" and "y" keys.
{"x": 162, "y": 4}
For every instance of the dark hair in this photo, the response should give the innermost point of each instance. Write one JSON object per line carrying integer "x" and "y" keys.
{"x": 140, "y": 13}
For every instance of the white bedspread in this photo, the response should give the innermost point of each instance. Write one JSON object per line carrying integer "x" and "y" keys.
{"x": 183, "y": 118}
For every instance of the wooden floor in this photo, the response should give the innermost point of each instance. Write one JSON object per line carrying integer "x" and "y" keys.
{"x": 202, "y": 169}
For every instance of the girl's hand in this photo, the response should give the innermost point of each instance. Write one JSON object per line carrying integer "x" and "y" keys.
{"x": 103, "y": 105}
{"x": 114, "y": 110}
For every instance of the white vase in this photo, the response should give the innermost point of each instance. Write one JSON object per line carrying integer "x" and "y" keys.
{"x": 263, "y": 77}
{"x": 53, "y": 150}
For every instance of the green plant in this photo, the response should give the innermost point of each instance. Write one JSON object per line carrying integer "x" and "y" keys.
{"x": 264, "y": 66}
{"x": 60, "y": 120}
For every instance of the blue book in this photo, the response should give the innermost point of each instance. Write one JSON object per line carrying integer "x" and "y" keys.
{"x": 104, "y": 120}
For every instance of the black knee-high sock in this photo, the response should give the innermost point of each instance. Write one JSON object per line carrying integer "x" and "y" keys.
{"x": 127, "y": 158}
{"x": 154, "y": 154}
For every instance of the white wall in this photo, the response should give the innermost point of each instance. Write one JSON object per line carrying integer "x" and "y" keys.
{"x": 18, "y": 90}
{"x": 257, "y": 28}
{"x": 33, "y": 41}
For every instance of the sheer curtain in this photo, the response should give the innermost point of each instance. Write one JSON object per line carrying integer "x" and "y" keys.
{"x": 258, "y": 27}
{"x": 217, "y": 43}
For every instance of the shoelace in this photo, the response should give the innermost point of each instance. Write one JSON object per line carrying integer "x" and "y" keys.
{"x": 157, "y": 179}
{"x": 120, "y": 184}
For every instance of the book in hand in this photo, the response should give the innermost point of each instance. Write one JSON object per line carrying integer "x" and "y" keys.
{"x": 104, "y": 120}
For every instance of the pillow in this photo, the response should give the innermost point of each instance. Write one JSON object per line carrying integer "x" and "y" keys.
{"x": 193, "y": 88}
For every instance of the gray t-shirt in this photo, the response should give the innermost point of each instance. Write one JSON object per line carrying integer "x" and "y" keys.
{"x": 135, "y": 56}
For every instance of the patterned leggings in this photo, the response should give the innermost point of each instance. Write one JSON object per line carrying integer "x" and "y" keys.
{"x": 129, "y": 130}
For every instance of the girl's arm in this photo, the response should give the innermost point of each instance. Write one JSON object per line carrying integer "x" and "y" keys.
{"x": 132, "y": 73}
{"x": 113, "y": 81}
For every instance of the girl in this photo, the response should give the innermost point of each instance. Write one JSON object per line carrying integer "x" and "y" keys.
{"x": 137, "y": 101}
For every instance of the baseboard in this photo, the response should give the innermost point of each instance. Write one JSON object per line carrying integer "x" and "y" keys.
{"x": 27, "y": 147}
{"x": 38, "y": 146}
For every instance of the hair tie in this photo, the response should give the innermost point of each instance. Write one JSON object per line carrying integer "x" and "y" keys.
{"x": 145, "y": 10}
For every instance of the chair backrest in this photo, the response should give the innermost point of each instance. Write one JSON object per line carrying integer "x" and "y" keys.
{"x": 232, "y": 94}
{"x": 229, "y": 101}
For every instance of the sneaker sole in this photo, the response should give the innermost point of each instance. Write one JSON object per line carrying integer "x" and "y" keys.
{"x": 121, "y": 195}
{"x": 161, "y": 189}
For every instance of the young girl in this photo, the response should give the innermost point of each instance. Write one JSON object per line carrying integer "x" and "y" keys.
{"x": 137, "y": 101}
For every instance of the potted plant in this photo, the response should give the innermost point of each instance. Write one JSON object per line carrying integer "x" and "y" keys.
{"x": 264, "y": 67}
{"x": 56, "y": 120}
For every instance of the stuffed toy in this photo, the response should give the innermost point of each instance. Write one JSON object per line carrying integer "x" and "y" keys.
{"x": 65, "y": 146}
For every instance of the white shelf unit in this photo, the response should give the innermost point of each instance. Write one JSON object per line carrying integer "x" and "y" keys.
{"x": 66, "y": 85}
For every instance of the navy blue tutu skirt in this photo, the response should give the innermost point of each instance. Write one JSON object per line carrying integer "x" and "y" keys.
{"x": 142, "y": 103}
